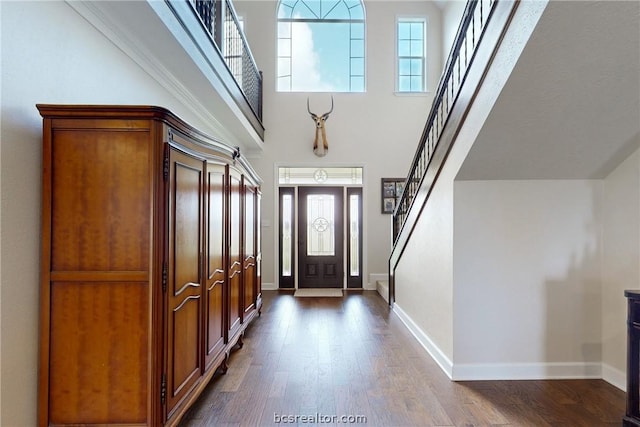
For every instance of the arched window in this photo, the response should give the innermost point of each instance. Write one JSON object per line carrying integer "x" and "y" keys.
{"x": 321, "y": 45}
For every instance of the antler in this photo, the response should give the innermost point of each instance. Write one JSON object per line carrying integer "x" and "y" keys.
{"x": 326, "y": 115}
{"x": 309, "y": 108}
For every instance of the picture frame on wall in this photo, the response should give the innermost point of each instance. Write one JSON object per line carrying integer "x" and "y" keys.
{"x": 391, "y": 190}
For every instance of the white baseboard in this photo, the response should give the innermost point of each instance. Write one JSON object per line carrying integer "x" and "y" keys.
{"x": 525, "y": 371}
{"x": 510, "y": 371}
{"x": 269, "y": 287}
{"x": 434, "y": 351}
{"x": 614, "y": 376}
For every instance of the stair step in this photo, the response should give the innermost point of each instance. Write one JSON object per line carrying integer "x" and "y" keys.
{"x": 382, "y": 287}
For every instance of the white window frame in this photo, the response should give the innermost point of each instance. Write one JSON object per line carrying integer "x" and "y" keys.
{"x": 424, "y": 20}
{"x": 352, "y": 75}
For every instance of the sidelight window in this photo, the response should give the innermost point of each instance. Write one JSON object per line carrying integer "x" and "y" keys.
{"x": 287, "y": 237}
{"x": 287, "y": 233}
{"x": 354, "y": 237}
{"x": 354, "y": 234}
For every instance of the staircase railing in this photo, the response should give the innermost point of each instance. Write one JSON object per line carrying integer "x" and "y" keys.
{"x": 221, "y": 21}
{"x": 475, "y": 18}
{"x": 470, "y": 56}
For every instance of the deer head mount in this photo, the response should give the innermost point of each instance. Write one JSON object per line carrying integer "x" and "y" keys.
{"x": 320, "y": 148}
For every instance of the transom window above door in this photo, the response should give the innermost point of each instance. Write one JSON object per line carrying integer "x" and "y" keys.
{"x": 321, "y": 46}
{"x": 320, "y": 176}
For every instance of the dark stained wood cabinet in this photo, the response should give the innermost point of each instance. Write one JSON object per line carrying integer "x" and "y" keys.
{"x": 632, "y": 416}
{"x": 150, "y": 271}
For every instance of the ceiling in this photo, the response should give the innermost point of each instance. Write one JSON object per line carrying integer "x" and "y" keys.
{"x": 571, "y": 107}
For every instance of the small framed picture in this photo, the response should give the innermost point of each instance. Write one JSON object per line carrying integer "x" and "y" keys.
{"x": 389, "y": 204}
{"x": 391, "y": 191}
{"x": 388, "y": 189}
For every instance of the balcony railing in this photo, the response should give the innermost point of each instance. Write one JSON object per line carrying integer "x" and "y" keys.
{"x": 221, "y": 22}
{"x": 475, "y": 18}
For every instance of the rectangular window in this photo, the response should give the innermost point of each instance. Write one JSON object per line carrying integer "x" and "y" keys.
{"x": 354, "y": 242}
{"x": 287, "y": 232}
{"x": 411, "y": 50}
{"x": 354, "y": 234}
{"x": 320, "y": 176}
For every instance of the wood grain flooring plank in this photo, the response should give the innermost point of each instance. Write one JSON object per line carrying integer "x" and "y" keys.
{"x": 351, "y": 356}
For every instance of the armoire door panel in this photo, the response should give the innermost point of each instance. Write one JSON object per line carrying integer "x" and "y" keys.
{"x": 101, "y": 221}
{"x": 258, "y": 284}
{"x": 184, "y": 351}
{"x": 184, "y": 330}
{"x": 215, "y": 253}
{"x": 235, "y": 288}
{"x": 214, "y": 321}
{"x": 249, "y": 285}
{"x": 235, "y": 260}
{"x": 86, "y": 335}
{"x": 249, "y": 248}
{"x": 187, "y": 211}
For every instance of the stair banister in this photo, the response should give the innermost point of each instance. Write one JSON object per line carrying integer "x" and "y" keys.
{"x": 480, "y": 31}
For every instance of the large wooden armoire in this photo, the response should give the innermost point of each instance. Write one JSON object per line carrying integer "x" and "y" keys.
{"x": 150, "y": 264}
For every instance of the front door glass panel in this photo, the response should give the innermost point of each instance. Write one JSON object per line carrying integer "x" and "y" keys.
{"x": 320, "y": 225}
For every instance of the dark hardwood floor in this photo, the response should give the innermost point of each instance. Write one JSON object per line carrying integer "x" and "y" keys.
{"x": 351, "y": 357}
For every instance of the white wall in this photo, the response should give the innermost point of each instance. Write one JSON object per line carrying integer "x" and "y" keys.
{"x": 568, "y": 249}
{"x": 527, "y": 279}
{"x": 376, "y": 129}
{"x": 424, "y": 276}
{"x": 451, "y": 17}
{"x": 49, "y": 55}
{"x": 621, "y": 239}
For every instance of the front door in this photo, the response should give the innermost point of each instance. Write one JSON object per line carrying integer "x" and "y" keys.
{"x": 320, "y": 237}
